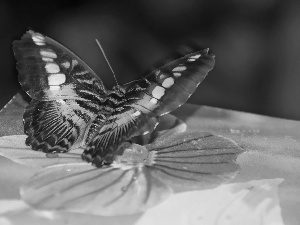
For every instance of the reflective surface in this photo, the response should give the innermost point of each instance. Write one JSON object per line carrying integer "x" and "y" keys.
{"x": 268, "y": 173}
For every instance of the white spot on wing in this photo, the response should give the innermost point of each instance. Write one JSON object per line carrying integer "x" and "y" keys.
{"x": 39, "y": 43}
{"x": 179, "y": 68}
{"x": 54, "y": 88}
{"x": 38, "y": 40}
{"x": 194, "y": 57}
{"x": 66, "y": 64}
{"x": 56, "y": 79}
{"x": 48, "y": 53}
{"x": 137, "y": 113}
{"x": 163, "y": 76}
{"x": 168, "y": 82}
{"x": 45, "y": 59}
{"x": 158, "y": 92}
{"x": 65, "y": 90}
{"x": 38, "y": 36}
{"x": 74, "y": 62}
{"x": 153, "y": 100}
{"x": 81, "y": 73}
{"x": 52, "y": 68}
{"x": 177, "y": 74}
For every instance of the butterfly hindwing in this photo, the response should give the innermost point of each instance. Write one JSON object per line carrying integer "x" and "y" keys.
{"x": 57, "y": 126}
{"x": 160, "y": 92}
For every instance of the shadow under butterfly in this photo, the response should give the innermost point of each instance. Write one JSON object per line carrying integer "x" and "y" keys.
{"x": 144, "y": 176}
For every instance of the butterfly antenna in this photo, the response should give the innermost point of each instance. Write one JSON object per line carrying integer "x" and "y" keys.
{"x": 98, "y": 43}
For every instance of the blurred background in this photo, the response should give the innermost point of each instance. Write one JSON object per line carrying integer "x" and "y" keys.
{"x": 256, "y": 43}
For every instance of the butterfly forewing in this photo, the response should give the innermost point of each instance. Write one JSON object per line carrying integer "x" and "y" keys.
{"x": 49, "y": 71}
{"x": 172, "y": 84}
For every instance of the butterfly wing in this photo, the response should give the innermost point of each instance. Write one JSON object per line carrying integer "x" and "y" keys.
{"x": 67, "y": 94}
{"x": 171, "y": 85}
{"x": 160, "y": 92}
{"x": 49, "y": 71}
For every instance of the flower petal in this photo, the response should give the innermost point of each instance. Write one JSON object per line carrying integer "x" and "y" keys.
{"x": 18, "y": 213}
{"x": 14, "y": 148}
{"x": 7, "y": 206}
{"x": 252, "y": 203}
{"x": 86, "y": 189}
{"x": 193, "y": 160}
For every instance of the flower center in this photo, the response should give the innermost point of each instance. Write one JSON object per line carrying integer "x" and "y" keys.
{"x": 133, "y": 155}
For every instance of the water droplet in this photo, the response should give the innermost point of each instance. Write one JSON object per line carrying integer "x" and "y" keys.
{"x": 185, "y": 168}
{"x": 124, "y": 188}
{"x": 68, "y": 170}
{"x": 134, "y": 177}
{"x": 132, "y": 155}
{"x": 52, "y": 155}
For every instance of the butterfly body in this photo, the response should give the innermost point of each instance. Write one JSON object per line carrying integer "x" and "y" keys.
{"x": 71, "y": 108}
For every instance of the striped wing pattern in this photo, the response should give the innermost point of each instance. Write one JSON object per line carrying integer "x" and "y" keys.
{"x": 57, "y": 126}
{"x": 72, "y": 108}
{"x": 160, "y": 92}
{"x": 67, "y": 95}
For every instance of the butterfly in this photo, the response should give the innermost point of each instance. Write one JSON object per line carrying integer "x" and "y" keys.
{"x": 71, "y": 107}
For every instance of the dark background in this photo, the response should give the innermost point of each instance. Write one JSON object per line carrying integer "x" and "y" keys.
{"x": 256, "y": 43}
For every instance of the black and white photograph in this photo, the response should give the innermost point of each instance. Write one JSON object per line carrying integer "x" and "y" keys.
{"x": 182, "y": 112}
